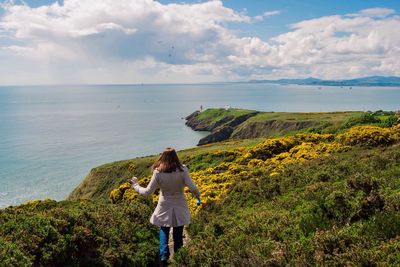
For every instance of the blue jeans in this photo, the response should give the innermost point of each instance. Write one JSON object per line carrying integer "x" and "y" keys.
{"x": 164, "y": 236}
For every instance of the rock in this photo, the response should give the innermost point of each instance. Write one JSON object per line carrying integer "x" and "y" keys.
{"x": 199, "y": 125}
{"x": 238, "y": 127}
{"x": 239, "y": 120}
{"x": 223, "y": 133}
{"x": 221, "y": 122}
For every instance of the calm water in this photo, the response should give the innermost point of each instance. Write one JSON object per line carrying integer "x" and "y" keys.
{"x": 50, "y": 137}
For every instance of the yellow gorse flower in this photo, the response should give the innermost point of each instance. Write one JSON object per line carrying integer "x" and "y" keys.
{"x": 270, "y": 156}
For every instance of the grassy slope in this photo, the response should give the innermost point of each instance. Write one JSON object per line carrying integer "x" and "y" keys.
{"x": 305, "y": 116}
{"x": 98, "y": 184}
{"x": 334, "y": 209}
{"x": 215, "y": 114}
{"x": 339, "y": 211}
{"x": 325, "y": 122}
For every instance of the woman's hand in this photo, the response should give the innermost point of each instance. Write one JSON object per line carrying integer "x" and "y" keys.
{"x": 134, "y": 180}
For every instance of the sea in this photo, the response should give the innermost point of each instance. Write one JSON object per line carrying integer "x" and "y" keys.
{"x": 52, "y": 136}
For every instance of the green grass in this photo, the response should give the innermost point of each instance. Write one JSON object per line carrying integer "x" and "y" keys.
{"x": 215, "y": 114}
{"x": 305, "y": 116}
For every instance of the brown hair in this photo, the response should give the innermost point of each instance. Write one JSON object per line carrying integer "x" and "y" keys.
{"x": 168, "y": 161}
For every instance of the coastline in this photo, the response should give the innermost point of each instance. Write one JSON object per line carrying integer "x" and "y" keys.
{"x": 295, "y": 184}
{"x": 246, "y": 124}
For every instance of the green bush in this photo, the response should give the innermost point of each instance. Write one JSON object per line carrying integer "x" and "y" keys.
{"x": 390, "y": 121}
{"x": 50, "y": 233}
{"x": 365, "y": 118}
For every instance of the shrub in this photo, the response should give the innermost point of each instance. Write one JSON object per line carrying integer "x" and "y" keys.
{"x": 365, "y": 118}
{"x": 390, "y": 121}
{"x": 368, "y": 136}
{"x": 50, "y": 233}
{"x": 329, "y": 211}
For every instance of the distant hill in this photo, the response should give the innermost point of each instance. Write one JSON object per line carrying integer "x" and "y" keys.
{"x": 366, "y": 81}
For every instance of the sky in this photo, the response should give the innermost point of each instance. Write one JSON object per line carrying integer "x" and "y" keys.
{"x": 145, "y": 41}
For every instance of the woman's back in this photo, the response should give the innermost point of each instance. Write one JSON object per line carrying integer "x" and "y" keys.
{"x": 172, "y": 209}
{"x": 173, "y": 183}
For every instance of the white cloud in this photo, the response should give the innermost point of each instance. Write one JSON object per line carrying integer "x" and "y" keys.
{"x": 377, "y": 12}
{"x": 266, "y": 14}
{"x": 271, "y": 13}
{"x": 328, "y": 47}
{"x": 125, "y": 41}
{"x": 17, "y": 49}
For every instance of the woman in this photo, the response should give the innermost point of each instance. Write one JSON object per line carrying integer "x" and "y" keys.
{"x": 172, "y": 209}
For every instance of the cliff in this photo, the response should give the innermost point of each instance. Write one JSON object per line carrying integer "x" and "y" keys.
{"x": 224, "y": 124}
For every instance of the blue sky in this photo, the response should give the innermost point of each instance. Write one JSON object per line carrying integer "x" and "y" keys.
{"x": 297, "y": 10}
{"x": 128, "y": 41}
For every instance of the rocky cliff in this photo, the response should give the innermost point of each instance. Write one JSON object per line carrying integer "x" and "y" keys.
{"x": 238, "y": 124}
{"x": 221, "y": 129}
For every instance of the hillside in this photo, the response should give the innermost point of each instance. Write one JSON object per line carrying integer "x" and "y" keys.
{"x": 300, "y": 200}
{"x": 97, "y": 185}
{"x": 341, "y": 210}
{"x": 224, "y": 124}
{"x": 325, "y": 196}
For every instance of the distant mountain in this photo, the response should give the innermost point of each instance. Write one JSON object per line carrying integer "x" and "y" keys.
{"x": 366, "y": 81}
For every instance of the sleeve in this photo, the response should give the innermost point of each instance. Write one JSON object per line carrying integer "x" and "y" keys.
{"x": 151, "y": 187}
{"x": 189, "y": 183}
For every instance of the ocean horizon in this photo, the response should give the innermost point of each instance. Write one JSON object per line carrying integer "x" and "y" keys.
{"x": 51, "y": 136}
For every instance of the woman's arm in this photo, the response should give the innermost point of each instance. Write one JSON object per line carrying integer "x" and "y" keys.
{"x": 151, "y": 187}
{"x": 189, "y": 183}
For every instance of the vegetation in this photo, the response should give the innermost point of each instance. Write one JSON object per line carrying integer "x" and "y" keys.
{"x": 216, "y": 114}
{"x": 341, "y": 210}
{"x": 303, "y": 200}
{"x": 98, "y": 184}
{"x": 338, "y": 116}
{"x": 328, "y": 198}
{"x": 79, "y": 233}
{"x": 242, "y": 124}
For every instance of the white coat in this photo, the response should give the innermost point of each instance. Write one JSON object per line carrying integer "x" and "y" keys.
{"x": 172, "y": 209}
